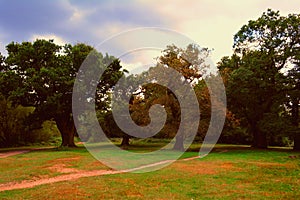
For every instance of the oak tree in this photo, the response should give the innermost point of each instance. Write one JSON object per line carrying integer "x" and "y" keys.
{"x": 45, "y": 73}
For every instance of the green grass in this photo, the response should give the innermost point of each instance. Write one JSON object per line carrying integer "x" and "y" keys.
{"x": 228, "y": 172}
{"x": 37, "y": 164}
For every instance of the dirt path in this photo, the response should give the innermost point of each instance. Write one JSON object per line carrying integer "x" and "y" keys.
{"x": 12, "y": 153}
{"x": 16, "y": 152}
{"x": 67, "y": 177}
{"x": 77, "y": 175}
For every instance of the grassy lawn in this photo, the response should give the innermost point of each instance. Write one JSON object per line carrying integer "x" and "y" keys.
{"x": 43, "y": 164}
{"x": 229, "y": 172}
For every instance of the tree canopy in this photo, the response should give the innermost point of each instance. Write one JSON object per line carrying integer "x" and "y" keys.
{"x": 261, "y": 78}
{"x": 257, "y": 86}
{"x": 41, "y": 74}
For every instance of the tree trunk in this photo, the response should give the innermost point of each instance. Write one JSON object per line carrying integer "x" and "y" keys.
{"x": 66, "y": 127}
{"x": 295, "y": 119}
{"x": 178, "y": 146}
{"x": 259, "y": 138}
{"x": 125, "y": 141}
{"x": 297, "y": 142}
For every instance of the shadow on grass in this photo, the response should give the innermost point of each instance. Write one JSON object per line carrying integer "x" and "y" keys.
{"x": 228, "y": 147}
{"x": 145, "y": 146}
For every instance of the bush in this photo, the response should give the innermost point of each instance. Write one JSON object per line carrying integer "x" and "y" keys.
{"x": 12, "y": 127}
{"x": 237, "y": 135}
{"x": 47, "y": 134}
{"x": 15, "y": 132}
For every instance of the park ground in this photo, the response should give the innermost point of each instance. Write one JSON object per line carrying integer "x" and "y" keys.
{"x": 228, "y": 172}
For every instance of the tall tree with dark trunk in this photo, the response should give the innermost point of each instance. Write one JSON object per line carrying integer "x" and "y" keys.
{"x": 252, "y": 90}
{"x": 46, "y": 73}
{"x": 257, "y": 84}
{"x": 190, "y": 62}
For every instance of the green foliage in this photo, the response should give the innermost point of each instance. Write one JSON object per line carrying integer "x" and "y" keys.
{"x": 13, "y": 131}
{"x": 12, "y": 128}
{"x": 256, "y": 86}
{"x": 278, "y": 129}
{"x": 47, "y": 134}
{"x": 41, "y": 74}
{"x": 238, "y": 135}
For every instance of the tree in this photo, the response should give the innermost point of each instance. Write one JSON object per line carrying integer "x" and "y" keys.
{"x": 46, "y": 73}
{"x": 153, "y": 94}
{"x": 11, "y": 123}
{"x": 293, "y": 101}
{"x": 256, "y": 84}
{"x": 251, "y": 92}
{"x": 189, "y": 62}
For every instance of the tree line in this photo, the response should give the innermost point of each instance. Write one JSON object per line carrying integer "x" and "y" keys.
{"x": 261, "y": 80}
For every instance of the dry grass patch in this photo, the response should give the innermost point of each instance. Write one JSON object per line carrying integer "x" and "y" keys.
{"x": 208, "y": 167}
{"x": 272, "y": 164}
{"x": 63, "y": 168}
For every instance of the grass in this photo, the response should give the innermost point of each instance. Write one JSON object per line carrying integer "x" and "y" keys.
{"x": 228, "y": 172}
{"x": 38, "y": 164}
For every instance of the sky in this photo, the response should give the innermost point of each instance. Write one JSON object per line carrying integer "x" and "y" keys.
{"x": 210, "y": 23}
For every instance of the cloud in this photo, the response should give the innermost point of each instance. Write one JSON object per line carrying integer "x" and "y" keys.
{"x": 76, "y": 21}
{"x": 140, "y": 60}
{"x": 57, "y": 40}
{"x": 211, "y": 23}
{"x": 136, "y": 68}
